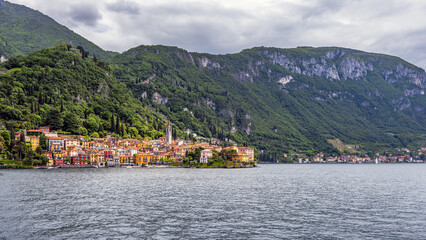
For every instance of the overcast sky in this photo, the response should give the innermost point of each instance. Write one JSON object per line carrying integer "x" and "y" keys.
{"x": 396, "y": 27}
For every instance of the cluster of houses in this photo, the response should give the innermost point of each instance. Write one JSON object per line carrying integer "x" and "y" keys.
{"x": 110, "y": 151}
{"x": 405, "y": 158}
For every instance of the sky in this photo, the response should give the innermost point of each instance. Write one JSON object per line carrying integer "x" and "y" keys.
{"x": 395, "y": 27}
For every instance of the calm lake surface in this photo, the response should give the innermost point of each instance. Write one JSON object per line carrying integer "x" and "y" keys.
{"x": 346, "y": 201}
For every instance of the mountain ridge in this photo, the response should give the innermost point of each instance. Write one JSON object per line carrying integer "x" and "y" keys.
{"x": 291, "y": 100}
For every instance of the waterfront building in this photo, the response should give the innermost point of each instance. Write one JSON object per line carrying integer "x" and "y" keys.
{"x": 247, "y": 151}
{"x": 205, "y": 155}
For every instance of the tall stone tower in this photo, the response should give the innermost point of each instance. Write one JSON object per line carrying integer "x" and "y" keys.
{"x": 169, "y": 133}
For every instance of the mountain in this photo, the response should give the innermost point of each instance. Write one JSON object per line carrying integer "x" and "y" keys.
{"x": 62, "y": 88}
{"x": 282, "y": 101}
{"x": 24, "y": 30}
{"x": 299, "y": 100}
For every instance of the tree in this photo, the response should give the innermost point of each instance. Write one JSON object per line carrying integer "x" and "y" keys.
{"x": 133, "y": 131}
{"x": 82, "y": 131}
{"x": 19, "y": 149}
{"x": 117, "y": 126}
{"x": 84, "y": 53}
{"x": 2, "y": 144}
{"x": 44, "y": 159}
{"x": 228, "y": 154}
{"x": 29, "y": 159}
{"x": 6, "y": 138}
{"x": 92, "y": 125}
{"x": 112, "y": 124}
{"x": 94, "y": 135}
{"x": 54, "y": 119}
{"x": 39, "y": 150}
{"x": 22, "y": 137}
{"x": 71, "y": 122}
{"x": 43, "y": 142}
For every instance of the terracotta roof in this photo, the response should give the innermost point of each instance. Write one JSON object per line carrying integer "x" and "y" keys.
{"x": 58, "y": 138}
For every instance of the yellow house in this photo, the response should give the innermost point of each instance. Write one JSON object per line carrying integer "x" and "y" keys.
{"x": 126, "y": 159}
{"x": 57, "y": 155}
{"x": 92, "y": 155}
{"x": 35, "y": 142}
{"x": 240, "y": 158}
{"x": 56, "y": 147}
{"x": 144, "y": 144}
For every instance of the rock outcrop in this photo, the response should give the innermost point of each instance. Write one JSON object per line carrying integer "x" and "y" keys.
{"x": 347, "y": 67}
{"x": 157, "y": 98}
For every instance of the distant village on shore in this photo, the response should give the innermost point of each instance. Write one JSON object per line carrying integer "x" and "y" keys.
{"x": 77, "y": 151}
{"x": 405, "y": 157}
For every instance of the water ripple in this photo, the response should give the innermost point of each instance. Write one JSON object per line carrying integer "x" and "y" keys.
{"x": 270, "y": 202}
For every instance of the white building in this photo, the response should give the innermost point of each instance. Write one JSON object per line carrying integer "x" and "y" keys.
{"x": 56, "y": 140}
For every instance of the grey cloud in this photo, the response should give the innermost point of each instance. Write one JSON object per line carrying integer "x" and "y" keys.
{"x": 86, "y": 14}
{"x": 128, "y": 7}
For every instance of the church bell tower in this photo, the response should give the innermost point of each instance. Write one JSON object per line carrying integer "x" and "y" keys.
{"x": 169, "y": 133}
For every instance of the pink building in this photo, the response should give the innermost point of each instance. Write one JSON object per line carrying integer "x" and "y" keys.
{"x": 205, "y": 155}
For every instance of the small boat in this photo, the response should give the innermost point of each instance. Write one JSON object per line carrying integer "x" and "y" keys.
{"x": 129, "y": 167}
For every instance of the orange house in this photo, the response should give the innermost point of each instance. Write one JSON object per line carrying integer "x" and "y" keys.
{"x": 143, "y": 159}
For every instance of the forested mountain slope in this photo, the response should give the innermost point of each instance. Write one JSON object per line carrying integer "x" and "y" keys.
{"x": 283, "y": 100}
{"x": 69, "y": 91}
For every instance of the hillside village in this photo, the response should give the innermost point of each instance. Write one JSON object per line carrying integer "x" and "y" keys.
{"x": 77, "y": 151}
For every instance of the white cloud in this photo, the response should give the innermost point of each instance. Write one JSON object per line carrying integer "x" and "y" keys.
{"x": 395, "y": 27}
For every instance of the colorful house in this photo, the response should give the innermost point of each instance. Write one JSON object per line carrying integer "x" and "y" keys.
{"x": 247, "y": 151}
{"x": 126, "y": 159}
{"x": 45, "y": 129}
{"x": 35, "y": 142}
{"x": 240, "y": 158}
{"x": 56, "y": 140}
{"x": 143, "y": 159}
{"x": 71, "y": 142}
{"x": 205, "y": 155}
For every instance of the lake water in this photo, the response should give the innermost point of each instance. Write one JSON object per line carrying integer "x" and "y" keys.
{"x": 346, "y": 201}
